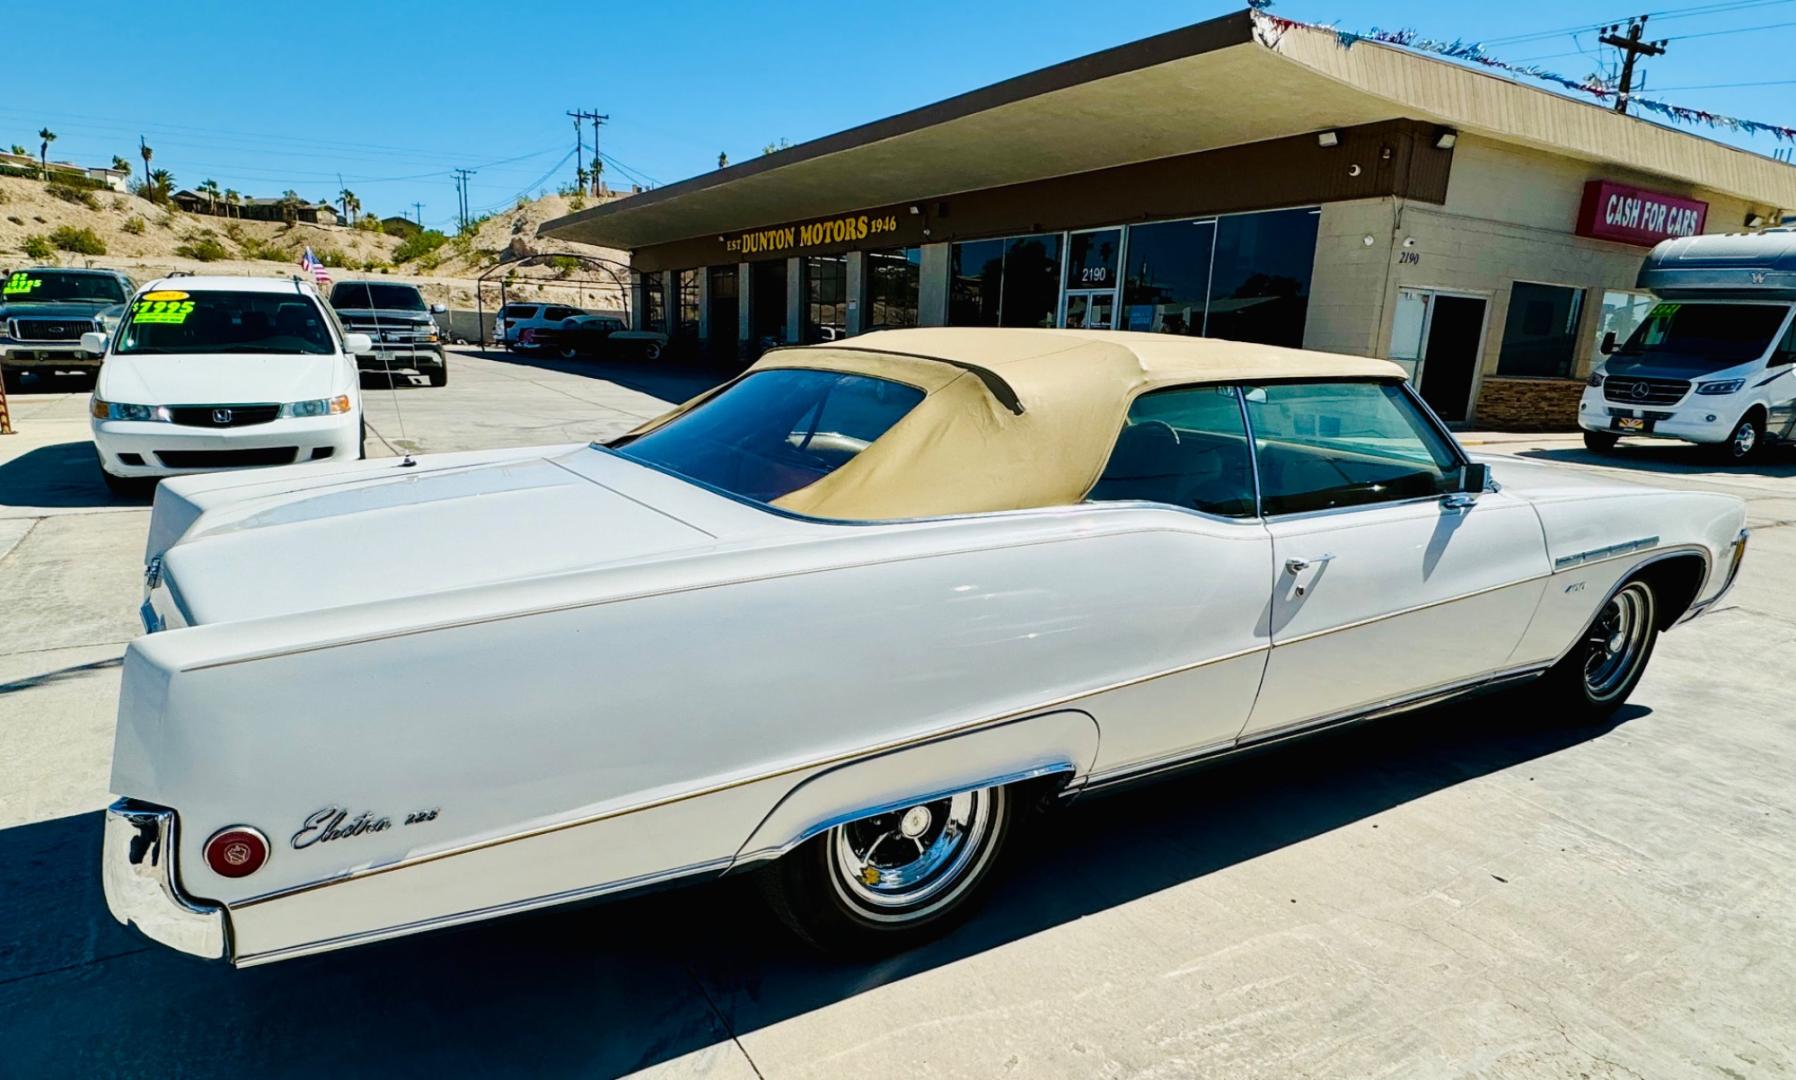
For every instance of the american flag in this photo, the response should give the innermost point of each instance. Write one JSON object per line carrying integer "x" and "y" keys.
{"x": 309, "y": 261}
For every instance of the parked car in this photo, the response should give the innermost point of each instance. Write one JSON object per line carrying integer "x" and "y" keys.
{"x": 209, "y": 373}
{"x": 44, "y": 311}
{"x": 845, "y": 621}
{"x": 596, "y": 335}
{"x": 1713, "y": 362}
{"x": 400, "y": 325}
{"x": 514, "y": 319}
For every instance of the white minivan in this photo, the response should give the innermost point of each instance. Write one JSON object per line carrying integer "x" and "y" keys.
{"x": 1714, "y": 361}
{"x": 207, "y": 373}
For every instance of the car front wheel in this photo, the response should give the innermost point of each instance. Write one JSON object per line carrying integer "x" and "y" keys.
{"x": 1602, "y": 669}
{"x": 892, "y": 880}
{"x": 1747, "y": 439}
{"x": 1599, "y": 442}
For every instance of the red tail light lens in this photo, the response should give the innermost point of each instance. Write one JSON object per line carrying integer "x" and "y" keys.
{"x": 238, "y": 851}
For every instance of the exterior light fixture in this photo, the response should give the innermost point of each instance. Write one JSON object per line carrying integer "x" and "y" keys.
{"x": 1328, "y": 138}
{"x": 1755, "y": 221}
{"x": 1446, "y": 140}
{"x": 915, "y": 209}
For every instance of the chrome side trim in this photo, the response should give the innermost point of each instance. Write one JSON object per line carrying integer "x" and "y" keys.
{"x": 510, "y": 907}
{"x": 1143, "y": 770}
{"x": 1669, "y": 553}
{"x": 138, "y": 877}
{"x": 775, "y": 851}
{"x": 1626, "y": 547}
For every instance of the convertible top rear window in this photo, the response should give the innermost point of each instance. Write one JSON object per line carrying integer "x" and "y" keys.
{"x": 776, "y": 431}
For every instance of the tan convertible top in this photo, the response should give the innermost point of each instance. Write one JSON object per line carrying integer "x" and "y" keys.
{"x": 1013, "y": 418}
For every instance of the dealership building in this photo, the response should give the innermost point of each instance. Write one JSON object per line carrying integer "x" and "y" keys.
{"x": 1230, "y": 179}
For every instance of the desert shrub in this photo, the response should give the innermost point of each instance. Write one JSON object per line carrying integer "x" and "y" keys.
{"x": 234, "y": 230}
{"x": 413, "y": 248}
{"x": 564, "y": 265}
{"x": 132, "y": 225}
{"x": 265, "y": 250}
{"x": 120, "y": 204}
{"x": 82, "y": 241}
{"x": 332, "y": 257}
{"x": 70, "y": 194}
{"x": 39, "y": 247}
{"x": 205, "y": 247}
{"x": 370, "y": 224}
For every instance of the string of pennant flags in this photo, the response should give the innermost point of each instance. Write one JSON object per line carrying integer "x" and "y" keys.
{"x": 1270, "y": 27}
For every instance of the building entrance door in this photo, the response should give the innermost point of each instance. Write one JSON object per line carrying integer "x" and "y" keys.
{"x": 1439, "y": 337}
{"x": 1088, "y": 295}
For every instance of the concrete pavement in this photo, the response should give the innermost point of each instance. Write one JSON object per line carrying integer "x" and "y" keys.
{"x": 1463, "y": 892}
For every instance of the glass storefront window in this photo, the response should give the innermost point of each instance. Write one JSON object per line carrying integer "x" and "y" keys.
{"x": 1012, "y": 282}
{"x": 893, "y": 278}
{"x": 688, "y": 313}
{"x": 1540, "y": 332}
{"x": 1091, "y": 259}
{"x": 826, "y": 298}
{"x": 1166, "y": 284}
{"x": 654, "y": 303}
{"x": 1622, "y": 312}
{"x": 1260, "y": 277}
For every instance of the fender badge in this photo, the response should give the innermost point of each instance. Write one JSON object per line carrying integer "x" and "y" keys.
{"x": 334, "y": 823}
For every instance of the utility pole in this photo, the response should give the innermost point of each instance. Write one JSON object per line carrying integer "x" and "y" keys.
{"x": 597, "y": 118}
{"x": 461, "y": 190}
{"x": 418, "y": 212}
{"x": 1632, "y": 48}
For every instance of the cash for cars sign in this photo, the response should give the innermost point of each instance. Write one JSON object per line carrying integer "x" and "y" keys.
{"x": 1631, "y": 215}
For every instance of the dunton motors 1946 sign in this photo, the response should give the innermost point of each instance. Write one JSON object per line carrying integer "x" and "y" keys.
{"x": 1632, "y": 215}
{"x": 836, "y": 230}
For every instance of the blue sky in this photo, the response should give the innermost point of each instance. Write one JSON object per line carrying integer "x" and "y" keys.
{"x": 262, "y": 97}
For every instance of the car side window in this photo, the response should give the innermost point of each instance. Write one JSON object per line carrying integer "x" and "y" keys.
{"x": 1186, "y": 447}
{"x": 1786, "y": 349}
{"x": 1324, "y": 445}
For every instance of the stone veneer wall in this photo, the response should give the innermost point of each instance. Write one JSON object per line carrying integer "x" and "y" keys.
{"x": 1507, "y": 404}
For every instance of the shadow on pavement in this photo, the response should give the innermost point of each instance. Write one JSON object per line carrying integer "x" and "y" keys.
{"x": 32, "y": 682}
{"x": 1674, "y": 458}
{"x": 601, "y": 989}
{"x": 673, "y": 381}
{"x": 60, "y": 475}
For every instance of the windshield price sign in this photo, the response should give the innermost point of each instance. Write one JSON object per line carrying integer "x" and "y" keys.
{"x": 162, "y": 307}
{"x": 19, "y": 284}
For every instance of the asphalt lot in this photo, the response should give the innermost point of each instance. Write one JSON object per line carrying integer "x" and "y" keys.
{"x": 1473, "y": 891}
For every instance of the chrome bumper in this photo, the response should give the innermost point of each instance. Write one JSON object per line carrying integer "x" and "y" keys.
{"x": 1733, "y": 574}
{"x": 137, "y": 872}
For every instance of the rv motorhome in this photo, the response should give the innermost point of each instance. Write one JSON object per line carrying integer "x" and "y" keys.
{"x": 1714, "y": 362}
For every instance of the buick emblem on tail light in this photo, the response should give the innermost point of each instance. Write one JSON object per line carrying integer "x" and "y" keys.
{"x": 221, "y": 416}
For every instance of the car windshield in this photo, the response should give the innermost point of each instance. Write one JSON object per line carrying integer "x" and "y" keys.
{"x": 776, "y": 431}
{"x": 61, "y": 287}
{"x": 172, "y": 321}
{"x": 1700, "y": 337}
{"x": 362, "y": 294}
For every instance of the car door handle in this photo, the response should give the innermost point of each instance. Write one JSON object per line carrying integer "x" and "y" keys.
{"x": 1295, "y": 567}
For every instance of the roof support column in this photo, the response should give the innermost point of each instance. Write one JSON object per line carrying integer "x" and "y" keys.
{"x": 639, "y": 313}
{"x": 796, "y": 300}
{"x": 704, "y": 304}
{"x": 745, "y": 303}
{"x": 856, "y": 296}
{"x": 932, "y": 286}
{"x": 670, "y": 303}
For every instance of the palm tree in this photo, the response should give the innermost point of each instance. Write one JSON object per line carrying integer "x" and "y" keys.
{"x": 233, "y": 200}
{"x": 160, "y": 183}
{"x": 143, "y": 148}
{"x": 43, "y": 150}
{"x": 119, "y": 164}
{"x": 290, "y": 206}
{"x": 19, "y": 150}
{"x": 209, "y": 189}
{"x": 347, "y": 197}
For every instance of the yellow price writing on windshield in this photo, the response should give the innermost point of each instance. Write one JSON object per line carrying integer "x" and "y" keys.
{"x": 172, "y": 312}
{"x": 20, "y": 283}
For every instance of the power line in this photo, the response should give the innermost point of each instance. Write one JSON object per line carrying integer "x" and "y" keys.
{"x": 1663, "y": 16}
{"x": 1632, "y": 49}
{"x": 1727, "y": 85}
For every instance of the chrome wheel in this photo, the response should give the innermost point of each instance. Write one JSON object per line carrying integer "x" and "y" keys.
{"x": 1744, "y": 440}
{"x": 907, "y": 863}
{"x": 1617, "y": 643}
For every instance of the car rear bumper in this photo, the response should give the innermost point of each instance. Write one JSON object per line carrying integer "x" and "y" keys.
{"x": 130, "y": 448}
{"x": 137, "y": 874}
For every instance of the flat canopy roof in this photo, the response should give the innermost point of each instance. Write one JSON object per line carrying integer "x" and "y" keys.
{"x": 1225, "y": 82}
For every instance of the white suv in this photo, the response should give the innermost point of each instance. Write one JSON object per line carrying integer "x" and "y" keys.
{"x": 208, "y": 373}
{"x": 514, "y": 319}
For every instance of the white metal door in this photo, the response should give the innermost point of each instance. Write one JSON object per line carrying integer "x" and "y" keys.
{"x": 1381, "y": 602}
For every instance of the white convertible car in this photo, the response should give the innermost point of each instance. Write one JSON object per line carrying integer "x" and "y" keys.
{"x": 843, "y": 620}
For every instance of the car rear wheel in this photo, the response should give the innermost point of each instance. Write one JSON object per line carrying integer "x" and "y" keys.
{"x": 1600, "y": 442}
{"x": 1602, "y": 669}
{"x": 439, "y": 375}
{"x": 568, "y": 352}
{"x": 892, "y": 880}
{"x": 652, "y": 351}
